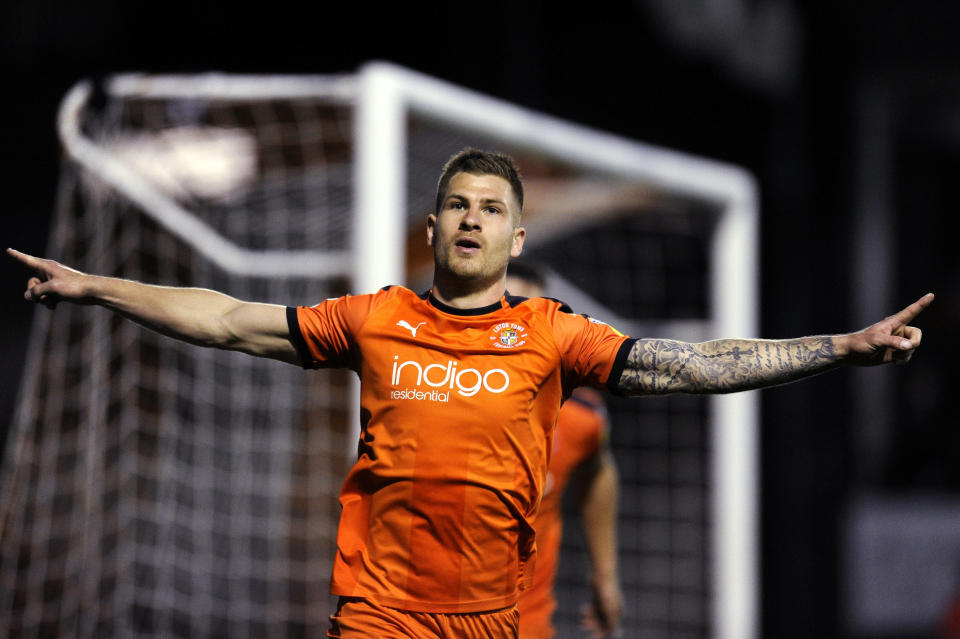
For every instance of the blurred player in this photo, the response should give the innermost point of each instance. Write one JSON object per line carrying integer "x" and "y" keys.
{"x": 460, "y": 390}
{"x": 582, "y": 459}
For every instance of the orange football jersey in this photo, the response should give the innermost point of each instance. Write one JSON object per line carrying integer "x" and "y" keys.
{"x": 580, "y": 433}
{"x": 457, "y": 414}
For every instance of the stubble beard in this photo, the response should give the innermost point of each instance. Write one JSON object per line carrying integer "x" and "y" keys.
{"x": 476, "y": 269}
{"x": 465, "y": 269}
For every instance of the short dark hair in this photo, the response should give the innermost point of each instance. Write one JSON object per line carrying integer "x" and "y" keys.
{"x": 528, "y": 271}
{"x": 480, "y": 162}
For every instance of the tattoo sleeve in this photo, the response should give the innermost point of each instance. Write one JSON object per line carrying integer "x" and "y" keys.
{"x": 658, "y": 366}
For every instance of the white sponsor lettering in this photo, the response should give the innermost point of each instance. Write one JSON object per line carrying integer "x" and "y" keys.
{"x": 467, "y": 381}
{"x": 431, "y": 396}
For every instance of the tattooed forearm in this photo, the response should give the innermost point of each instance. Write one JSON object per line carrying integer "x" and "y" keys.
{"x": 657, "y": 366}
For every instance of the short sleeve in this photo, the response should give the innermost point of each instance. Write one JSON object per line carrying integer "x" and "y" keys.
{"x": 593, "y": 353}
{"x": 324, "y": 334}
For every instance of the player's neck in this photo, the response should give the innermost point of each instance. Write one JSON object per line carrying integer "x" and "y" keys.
{"x": 467, "y": 294}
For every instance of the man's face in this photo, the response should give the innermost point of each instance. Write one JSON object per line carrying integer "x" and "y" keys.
{"x": 476, "y": 232}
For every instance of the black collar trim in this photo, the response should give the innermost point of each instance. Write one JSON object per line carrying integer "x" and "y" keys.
{"x": 483, "y": 310}
{"x": 514, "y": 300}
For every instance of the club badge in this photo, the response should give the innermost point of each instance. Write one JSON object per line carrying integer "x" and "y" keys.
{"x": 508, "y": 335}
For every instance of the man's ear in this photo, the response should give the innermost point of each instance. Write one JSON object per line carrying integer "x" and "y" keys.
{"x": 431, "y": 223}
{"x": 519, "y": 234}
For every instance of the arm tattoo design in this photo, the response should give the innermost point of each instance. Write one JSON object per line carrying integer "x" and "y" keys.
{"x": 658, "y": 366}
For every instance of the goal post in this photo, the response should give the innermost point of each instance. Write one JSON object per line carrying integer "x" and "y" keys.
{"x": 394, "y": 91}
{"x": 208, "y": 502}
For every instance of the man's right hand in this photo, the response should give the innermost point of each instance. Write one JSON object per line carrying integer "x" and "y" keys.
{"x": 198, "y": 316}
{"x": 53, "y": 281}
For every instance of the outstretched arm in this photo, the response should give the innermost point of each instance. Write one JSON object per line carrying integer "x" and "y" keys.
{"x": 657, "y": 366}
{"x": 195, "y": 315}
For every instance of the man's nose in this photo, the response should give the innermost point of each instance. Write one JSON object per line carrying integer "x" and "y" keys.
{"x": 470, "y": 219}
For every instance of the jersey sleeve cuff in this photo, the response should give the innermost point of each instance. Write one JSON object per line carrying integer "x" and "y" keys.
{"x": 296, "y": 337}
{"x": 619, "y": 363}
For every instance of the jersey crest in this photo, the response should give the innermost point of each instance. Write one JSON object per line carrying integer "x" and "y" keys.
{"x": 508, "y": 335}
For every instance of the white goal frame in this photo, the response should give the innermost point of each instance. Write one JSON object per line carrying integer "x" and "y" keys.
{"x": 383, "y": 95}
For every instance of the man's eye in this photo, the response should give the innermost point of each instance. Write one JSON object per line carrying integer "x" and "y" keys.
{"x": 493, "y": 209}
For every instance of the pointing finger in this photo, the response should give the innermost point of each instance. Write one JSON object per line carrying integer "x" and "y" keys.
{"x": 29, "y": 260}
{"x": 907, "y": 314}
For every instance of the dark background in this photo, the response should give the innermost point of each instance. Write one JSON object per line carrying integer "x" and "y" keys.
{"x": 812, "y": 109}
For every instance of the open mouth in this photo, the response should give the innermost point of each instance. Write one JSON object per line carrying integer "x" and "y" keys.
{"x": 467, "y": 244}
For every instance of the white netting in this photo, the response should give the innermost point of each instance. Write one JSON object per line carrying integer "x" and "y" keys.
{"x": 157, "y": 489}
{"x": 160, "y": 489}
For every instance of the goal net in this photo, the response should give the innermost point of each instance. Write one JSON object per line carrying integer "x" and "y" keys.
{"x": 151, "y": 488}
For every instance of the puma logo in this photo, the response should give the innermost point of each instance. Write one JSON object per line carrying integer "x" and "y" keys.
{"x": 412, "y": 329}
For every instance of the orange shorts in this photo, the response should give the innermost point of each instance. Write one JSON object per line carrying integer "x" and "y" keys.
{"x": 362, "y": 619}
